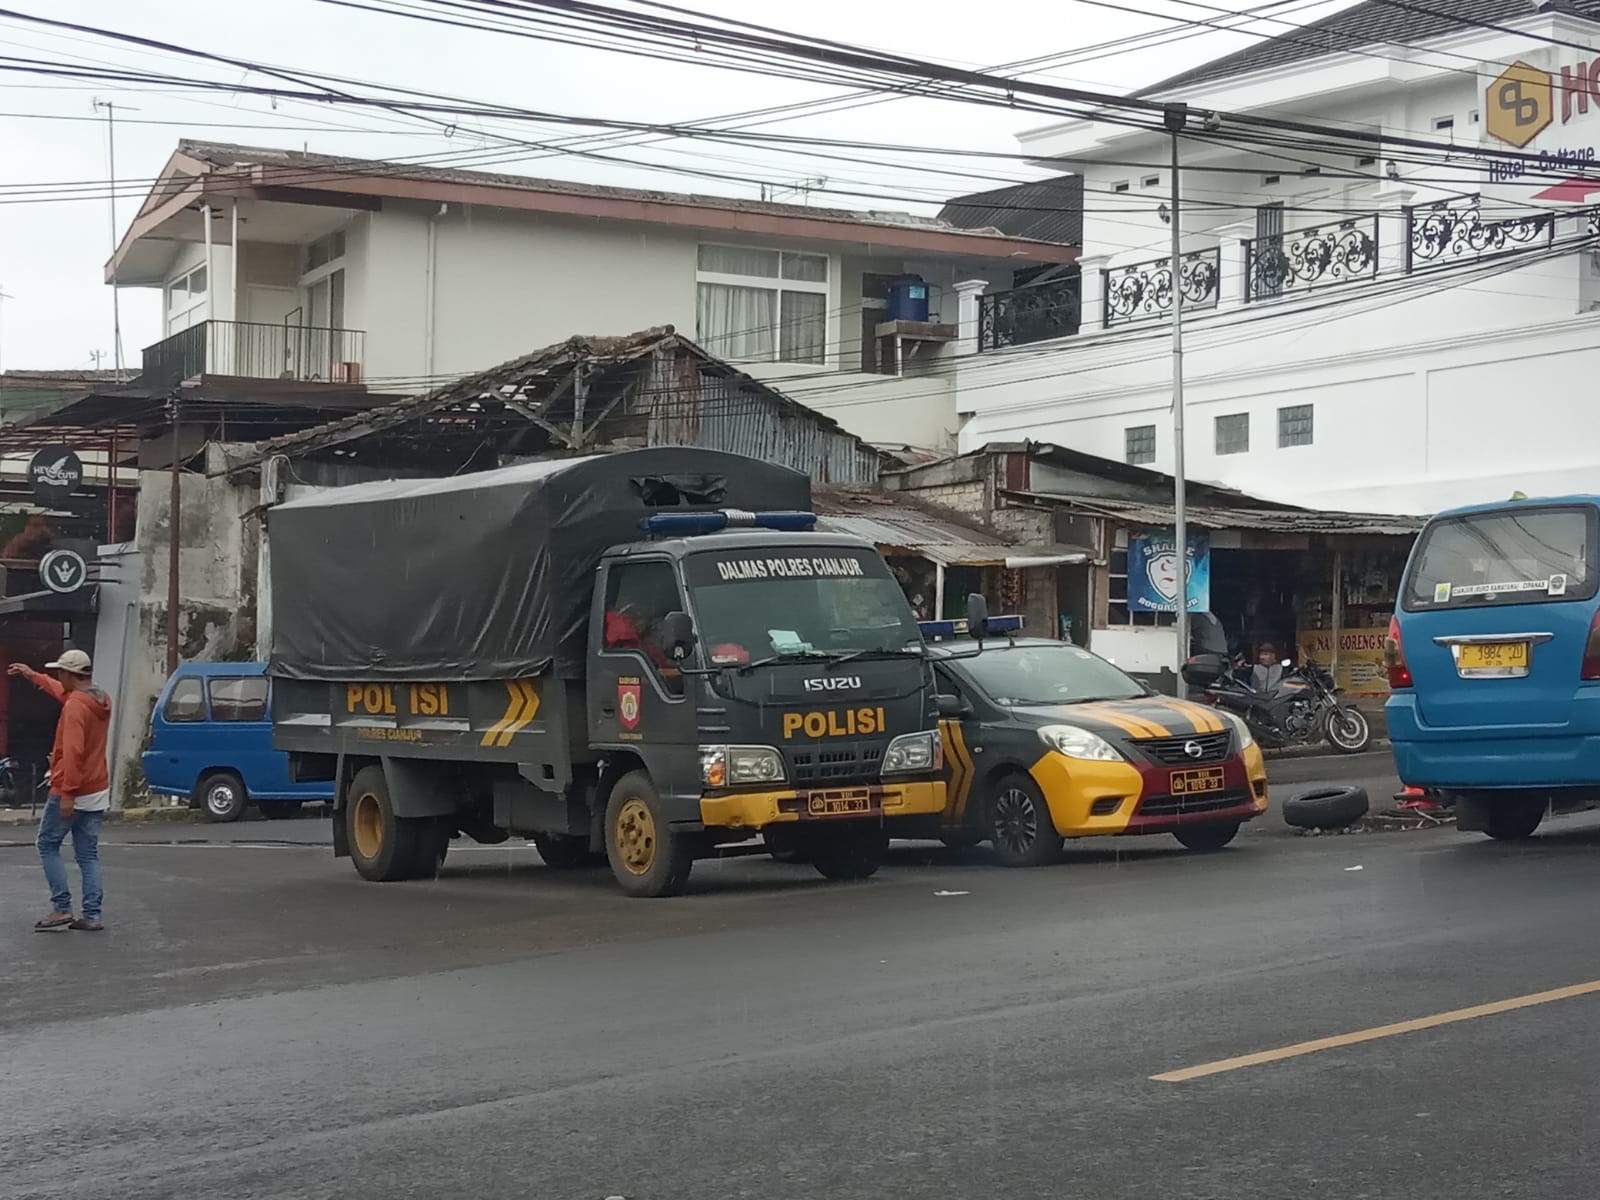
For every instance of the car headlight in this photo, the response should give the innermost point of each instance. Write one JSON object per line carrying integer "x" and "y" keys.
{"x": 1240, "y": 728}
{"x": 722, "y": 766}
{"x": 913, "y": 752}
{"x": 1079, "y": 743}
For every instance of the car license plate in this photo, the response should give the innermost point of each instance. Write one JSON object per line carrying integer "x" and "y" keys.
{"x": 855, "y": 802}
{"x": 1492, "y": 658}
{"x": 1192, "y": 783}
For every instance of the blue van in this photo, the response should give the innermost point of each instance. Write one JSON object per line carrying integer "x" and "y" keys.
{"x": 211, "y": 743}
{"x": 1494, "y": 658}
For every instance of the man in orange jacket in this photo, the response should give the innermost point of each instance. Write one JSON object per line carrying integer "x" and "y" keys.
{"x": 80, "y": 787}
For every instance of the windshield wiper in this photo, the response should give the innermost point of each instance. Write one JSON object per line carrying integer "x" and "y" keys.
{"x": 851, "y": 656}
{"x": 785, "y": 656}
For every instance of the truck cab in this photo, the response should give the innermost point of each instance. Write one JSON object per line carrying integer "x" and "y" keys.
{"x": 763, "y": 685}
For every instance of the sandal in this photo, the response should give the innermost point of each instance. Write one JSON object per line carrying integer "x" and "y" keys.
{"x": 53, "y": 922}
{"x": 84, "y": 923}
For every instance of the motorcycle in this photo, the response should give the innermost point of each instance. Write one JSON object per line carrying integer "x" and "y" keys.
{"x": 8, "y": 782}
{"x": 1298, "y": 708}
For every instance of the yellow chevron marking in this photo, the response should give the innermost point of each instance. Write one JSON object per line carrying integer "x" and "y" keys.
{"x": 961, "y": 773}
{"x": 527, "y": 706}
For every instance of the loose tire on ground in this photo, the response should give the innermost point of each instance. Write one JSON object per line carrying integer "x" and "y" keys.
{"x": 1020, "y": 827}
{"x": 647, "y": 857}
{"x": 564, "y": 853}
{"x": 1513, "y": 820}
{"x": 854, "y": 853}
{"x": 222, "y": 797}
{"x": 1326, "y": 808}
{"x": 1348, "y": 730}
{"x": 384, "y": 847}
{"x": 1212, "y": 835}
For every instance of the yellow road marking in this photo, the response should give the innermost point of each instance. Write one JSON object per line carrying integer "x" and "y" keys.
{"x": 1381, "y": 1031}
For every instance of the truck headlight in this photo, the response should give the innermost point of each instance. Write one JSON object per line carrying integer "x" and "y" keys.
{"x": 1079, "y": 743}
{"x": 913, "y": 752}
{"x": 1246, "y": 738}
{"x": 721, "y": 766}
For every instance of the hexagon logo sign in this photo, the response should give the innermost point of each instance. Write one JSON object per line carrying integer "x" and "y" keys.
{"x": 1518, "y": 106}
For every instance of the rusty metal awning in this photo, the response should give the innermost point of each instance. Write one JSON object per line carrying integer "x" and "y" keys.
{"x": 945, "y": 542}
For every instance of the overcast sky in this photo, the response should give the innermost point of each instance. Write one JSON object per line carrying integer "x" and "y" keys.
{"x": 53, "y": 249}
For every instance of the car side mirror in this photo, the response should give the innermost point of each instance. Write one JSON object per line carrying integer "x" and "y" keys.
{"x": 977, "y": 615}
{"x": 677, "y": 632}
{"x": 953, "y": 707}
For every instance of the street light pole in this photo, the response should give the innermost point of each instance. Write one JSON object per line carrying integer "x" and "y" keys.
{"x": 116, "y": 295}
{"x": 1175, "y": 118}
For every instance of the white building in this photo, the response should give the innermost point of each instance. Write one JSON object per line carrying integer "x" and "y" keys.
{"x": 1368, "y": 326}
{"x": 283, "y": 264}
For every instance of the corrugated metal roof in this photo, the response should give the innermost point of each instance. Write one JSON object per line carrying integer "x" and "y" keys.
{"x": 1271, "y": 520}
{"x": 1385, "y": 26}
{"x": 1045, "y": 210}
{"x": 895, "y": 523}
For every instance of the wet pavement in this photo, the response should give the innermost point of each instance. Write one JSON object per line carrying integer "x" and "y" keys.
{"x": 258, "y": 1022}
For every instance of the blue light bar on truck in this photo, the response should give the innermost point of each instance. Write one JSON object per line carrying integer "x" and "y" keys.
{"x": 690, "y": 523}
{"x": 935, "y": 630}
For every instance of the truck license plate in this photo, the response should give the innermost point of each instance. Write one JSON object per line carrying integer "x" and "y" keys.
{"x": 855, "y": 802}
{"x": 1190, "y": 783}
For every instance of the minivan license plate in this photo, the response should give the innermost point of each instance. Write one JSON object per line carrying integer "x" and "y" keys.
{"x": 1492, "y": 658}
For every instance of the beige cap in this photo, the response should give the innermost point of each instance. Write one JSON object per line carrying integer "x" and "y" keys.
{"x": 75, "y": 661}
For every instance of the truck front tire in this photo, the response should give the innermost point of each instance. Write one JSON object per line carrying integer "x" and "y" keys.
{"x": 386, "y": 848}
{"x": 647, "y": 857}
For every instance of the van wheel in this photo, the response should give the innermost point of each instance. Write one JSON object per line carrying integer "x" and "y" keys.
{"x": 384, "y": 847}
{"x": 222, "y": 797}
{"x": 1020, "y": 826}
{"x": 647, "y": 857}
{"x": 1513, "y": 820}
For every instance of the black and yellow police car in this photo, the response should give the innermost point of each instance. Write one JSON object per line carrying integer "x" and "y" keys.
{"x": 1044, "y": 741}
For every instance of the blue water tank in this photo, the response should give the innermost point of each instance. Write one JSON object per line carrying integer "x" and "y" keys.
{"x": 908, "y": 299}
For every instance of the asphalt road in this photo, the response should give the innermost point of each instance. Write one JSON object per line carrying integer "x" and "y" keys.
{"x": 257, "y": 1022}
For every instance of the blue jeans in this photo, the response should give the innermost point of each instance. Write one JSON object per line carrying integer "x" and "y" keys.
{"x": 85, "y": 830}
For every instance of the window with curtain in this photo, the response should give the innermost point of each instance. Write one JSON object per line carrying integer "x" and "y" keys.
{"x": 762, "y": 305}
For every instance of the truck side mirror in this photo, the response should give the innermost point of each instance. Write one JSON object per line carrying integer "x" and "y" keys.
{"x": 677, "y": 632}
{"x": 977, "y": 615}
{"x": 952, "y": 707}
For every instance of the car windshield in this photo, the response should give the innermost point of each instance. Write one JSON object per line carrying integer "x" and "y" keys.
{"x": 1508, "y": 556}
{"x": 825, "y": 600}
{"x": 1056, "y": 674}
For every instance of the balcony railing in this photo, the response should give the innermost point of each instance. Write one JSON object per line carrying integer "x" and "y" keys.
{"x": 1144, "y": 289}
{"x": 1455, "y": 229}
{"x": 1029, "y": 314}
{"x": 1305, "y": 258}
{"x": 256, "y": 351}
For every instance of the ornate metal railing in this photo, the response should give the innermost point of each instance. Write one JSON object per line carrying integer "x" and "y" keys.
{"x": 1144, "y": 289}
{"x": 1456, "y": 229}
{"x": 1029, "y": 314}
{"x": 1322, "y": 254}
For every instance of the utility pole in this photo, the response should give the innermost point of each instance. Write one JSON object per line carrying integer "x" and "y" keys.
{"x": 111, "y": 155}
{"x": 4, "y": 296}
{"x": 172, "y": 541}
{"x": 1175, "y": 118}
{"x": 95, "y": 356}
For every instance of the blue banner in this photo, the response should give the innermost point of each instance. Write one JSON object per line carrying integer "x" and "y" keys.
{"x": 1153, "y": 571}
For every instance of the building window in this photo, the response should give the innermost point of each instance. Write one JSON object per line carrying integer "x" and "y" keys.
{"x": 1151, "y": 181}
{"x": 1312, "y": 171}
{"x": 324, "y": 250}
{"x": 1269, "y": 180}
{"x": 1443, "y": 124}
{"x": 186, "y": 297}
{"x": 1294, "y": 425}
{"x": 1233, "y": 433}
{"x": 1141, "y": 443}
{"x": 762, "y": 305}
{"x": 1367, "y": 160}
{"x": 1120, "y": 186}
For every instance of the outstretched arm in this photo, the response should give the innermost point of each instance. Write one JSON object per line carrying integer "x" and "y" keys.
{"x": 51, "y": 687}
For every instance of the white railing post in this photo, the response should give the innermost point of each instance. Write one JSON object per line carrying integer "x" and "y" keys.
{"x": 1092, "y": 287}
{"x": 968, "y": 292}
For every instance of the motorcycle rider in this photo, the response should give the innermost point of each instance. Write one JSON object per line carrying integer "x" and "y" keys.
{"x": 1266, "y": 676}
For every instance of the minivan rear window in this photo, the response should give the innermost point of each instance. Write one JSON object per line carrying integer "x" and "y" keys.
{"x": 1522, "y": 555}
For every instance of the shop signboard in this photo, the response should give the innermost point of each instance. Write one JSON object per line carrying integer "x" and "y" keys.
{"x": 1153, "y": 571}
{"x": 1360, "y": 671}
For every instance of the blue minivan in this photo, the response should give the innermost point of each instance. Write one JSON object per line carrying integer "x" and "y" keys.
{"x": 1494, "y": 658}
{"x": 211, "y": 743}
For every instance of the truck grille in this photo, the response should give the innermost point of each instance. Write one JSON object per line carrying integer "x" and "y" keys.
{"x": 1170, "y": 752}
{"x": 833, "y": 761}
{"x": 1188, "y": 806}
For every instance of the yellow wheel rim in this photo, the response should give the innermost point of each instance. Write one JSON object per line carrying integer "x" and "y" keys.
{"x": 635, "y": 836}
{"x": 366, "y": 825}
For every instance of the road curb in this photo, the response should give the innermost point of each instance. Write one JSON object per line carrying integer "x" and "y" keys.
{"x": 1378, "y": 745}
{"x": 117, "y": 816}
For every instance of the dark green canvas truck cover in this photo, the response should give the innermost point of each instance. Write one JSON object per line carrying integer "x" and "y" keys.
{"x": 482, "y": 576}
